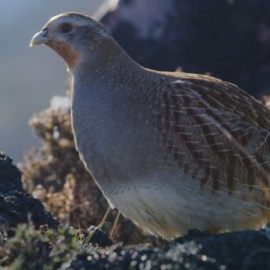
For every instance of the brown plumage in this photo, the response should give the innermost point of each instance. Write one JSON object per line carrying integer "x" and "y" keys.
{"x": 172, "y": 151}
{"x": 223, "y": 130}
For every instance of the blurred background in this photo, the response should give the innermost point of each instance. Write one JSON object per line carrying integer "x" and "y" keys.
{"x": 28, "y": 77}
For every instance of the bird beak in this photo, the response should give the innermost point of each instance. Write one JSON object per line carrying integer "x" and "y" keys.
{"x": 39, "y": 38}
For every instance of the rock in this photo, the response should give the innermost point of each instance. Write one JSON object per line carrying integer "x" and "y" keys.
{"x": 16, "y": 206}
{"x": 247, "y": 250}
{"x": 228, "y": 38}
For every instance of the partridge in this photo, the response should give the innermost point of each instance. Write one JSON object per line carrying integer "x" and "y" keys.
{"x": 172, "y": 151}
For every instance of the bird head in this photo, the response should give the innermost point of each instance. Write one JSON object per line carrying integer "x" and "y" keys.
{"x": 71, "y": 35}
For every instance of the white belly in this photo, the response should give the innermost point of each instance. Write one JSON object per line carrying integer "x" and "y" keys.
{"x": 169, "y": 214}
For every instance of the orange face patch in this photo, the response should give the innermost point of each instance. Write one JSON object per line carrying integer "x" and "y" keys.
{"x": 68, "y": 53}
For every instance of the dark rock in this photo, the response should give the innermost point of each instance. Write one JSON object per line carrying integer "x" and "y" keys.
{"x": 247, "y": 250}
{"x": 228, "y": 38}
{"x": 16, "y": 206}
{"x": 10, "y": 176}
{"x": 96, "y": 237}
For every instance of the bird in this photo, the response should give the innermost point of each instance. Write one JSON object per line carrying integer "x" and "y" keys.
{"x": 172, "y": 151}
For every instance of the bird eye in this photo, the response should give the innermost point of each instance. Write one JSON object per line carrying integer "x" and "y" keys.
{"x": 66, "y": 27}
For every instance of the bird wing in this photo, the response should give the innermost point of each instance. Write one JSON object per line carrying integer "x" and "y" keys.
{"x": 216, "y": 133}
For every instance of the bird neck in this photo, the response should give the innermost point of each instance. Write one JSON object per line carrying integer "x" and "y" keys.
{"x": 108, "y": 65}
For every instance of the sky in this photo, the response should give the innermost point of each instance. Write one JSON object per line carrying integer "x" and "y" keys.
{"x": 29, "y": 77}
